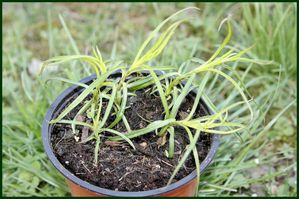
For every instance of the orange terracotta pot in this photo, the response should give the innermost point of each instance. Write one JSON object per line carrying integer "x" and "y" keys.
{"x": 187, "y": 189}
{"x": 78, "y": 187}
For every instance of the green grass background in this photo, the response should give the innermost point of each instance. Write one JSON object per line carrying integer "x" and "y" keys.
{"x": 259, "y": 162}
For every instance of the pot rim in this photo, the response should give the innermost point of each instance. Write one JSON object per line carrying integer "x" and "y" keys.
{"x": 84, "y": 184}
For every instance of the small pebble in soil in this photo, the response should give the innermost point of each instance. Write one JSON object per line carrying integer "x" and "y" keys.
{"x": 76, "y": 138}
{"x": 143, "y": 144}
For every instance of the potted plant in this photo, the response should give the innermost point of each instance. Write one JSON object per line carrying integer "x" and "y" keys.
{"x": 138, "y": 130}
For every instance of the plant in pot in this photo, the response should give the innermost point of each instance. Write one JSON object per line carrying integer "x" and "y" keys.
{"x": 137, "y": 129}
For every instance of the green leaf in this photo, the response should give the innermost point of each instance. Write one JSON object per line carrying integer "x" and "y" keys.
{"x": 171, "y": 142}
{"x": 26, "y": 84}
{"x": 236, "y": 85}
{"x": 122, "y": 135}
{"x": 120, "y": 113}
{"x": 73, "y": 122}
{"x": 196, "y": 159}
{"x": 126, "y": 123}
{"x": 151, "y": 127}
{"x": 97, "y": 119}
{"x": 151, "y": 36}
{"x": 161, "y": 93}
{"x": 146, "y": 81}
{"x": 198, "y": 95}
{"x": 181, "y": 97}
{"x": 157, "y": 47}
{"x": 96, "y": 150}
{"x": 92, "y": 61}
{"x": 82, "y": 96}
{"x": 191, "y": 146}
{"x": 109, "y": 106}
{"x": 67, "y": 81}
{"x": 225, "y": 41}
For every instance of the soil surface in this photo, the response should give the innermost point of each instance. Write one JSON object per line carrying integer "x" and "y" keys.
{"x": 120, "y": 167}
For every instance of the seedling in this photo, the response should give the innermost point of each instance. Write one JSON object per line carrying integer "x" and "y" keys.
{"x": 170, "y": 87}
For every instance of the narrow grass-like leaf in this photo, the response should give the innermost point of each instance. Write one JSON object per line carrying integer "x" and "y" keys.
{"x": 67, "y": 81}
{"x": 225, "y": 41}
{"x": 73, "y": 122}
{"x": 50, "y": 33}
{"x": 122, "y": 135}
{"x": 181, "y": 97}
{"x": 198, "y": 95}
{"x": 109, "y": 106}
{"x": 100, "y": 61}
{"x": 238, "y": 88}
{"x": 196, "y": 159}
{"x": 92, "y": 61}
{"x": 158, "y": 68}
{"x": 75, "y": 48}
{"x": 83, "y": 109}
{"x": 157, "y": 47}
{"x": 171, "y": 142}
{"x": 122, "y": 107}
{"x": 89, "y": 138}
{"x": 218, "y": 114}
{"x": 244, "y": 151}
{"x": 70, "y": 37}
{"x": 97, "y": 119}
{"x": 185, "y": 156}
{"x": 126, "y": 123}
{"x": 147, "y": 81}
{"x": 178, "y": 102}
{"x": 225, "y": 124}
{"x": 221, "y": 187}
{"x": 175, "y": 94}
{"x": 24, "y": 80}
{"x": 224, "y": 132}
{"x": 96, "y": 150}
{"x": 82, "y": 96}
{"x": 151, "y": 127}
{"x": 161, "y": 92}
{"x": 242, "y": 85}
{"x": 157, "y": 29}
{"x": 28, "y": 167}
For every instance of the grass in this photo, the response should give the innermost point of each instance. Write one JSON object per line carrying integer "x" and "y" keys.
{"x": 261, "y": 161}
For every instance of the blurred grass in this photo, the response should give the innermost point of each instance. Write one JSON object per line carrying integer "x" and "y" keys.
{"x": 263, "y": 164}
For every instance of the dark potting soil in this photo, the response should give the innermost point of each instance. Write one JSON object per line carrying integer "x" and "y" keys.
{"x": 120, "y": 167}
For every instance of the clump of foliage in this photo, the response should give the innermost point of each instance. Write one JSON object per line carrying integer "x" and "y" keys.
{"x": 172, "y": 87}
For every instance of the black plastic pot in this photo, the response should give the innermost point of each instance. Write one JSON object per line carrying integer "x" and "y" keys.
{"x": 183, "y": 187}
